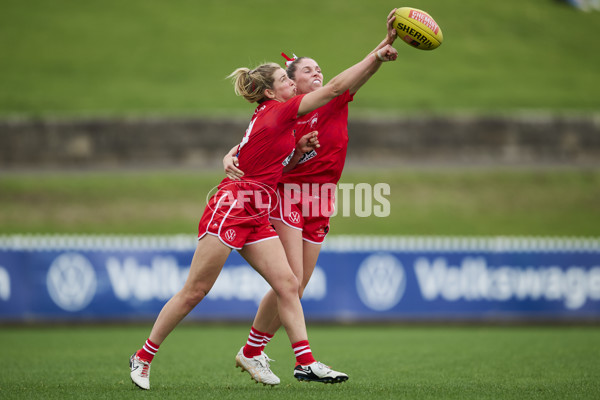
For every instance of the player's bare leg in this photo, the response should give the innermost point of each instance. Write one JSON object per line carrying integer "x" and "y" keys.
{"x": 266, "y": 258}
{"x": 302, "y": 257}
{"x": 207, "y": 263}
{"x": 269, "y": 260}
{"x": 208, "y": 260}
{"x": 266, "y": 318}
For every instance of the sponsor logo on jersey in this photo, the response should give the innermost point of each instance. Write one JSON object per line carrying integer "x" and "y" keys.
{"x": 288, "y": 158}
{"x": 311, "y": 122}
{"x": 307, "y": 156}
{"x": 323, "y": 230}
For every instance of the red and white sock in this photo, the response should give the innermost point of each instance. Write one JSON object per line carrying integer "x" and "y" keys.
{"x": 303, "y": 353}
{"x": 148, "y": 351}
{"x": 267, "y": 339}
{"x": 254, "y": 345}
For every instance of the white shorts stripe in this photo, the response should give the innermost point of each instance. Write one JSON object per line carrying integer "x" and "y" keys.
{"x": 226, "y": 215}
{"x": 262, "y": 240}
{"x": 215, "y": 211}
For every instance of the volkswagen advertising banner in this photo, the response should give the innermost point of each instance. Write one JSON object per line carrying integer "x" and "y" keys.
{"x": 92, "y": 278}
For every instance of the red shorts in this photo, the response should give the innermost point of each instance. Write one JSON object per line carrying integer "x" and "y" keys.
{"x": 233, "y": 224}
{"x": 307, "y": 208}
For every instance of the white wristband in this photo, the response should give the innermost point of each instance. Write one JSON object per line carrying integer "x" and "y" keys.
{"x": 379, "y": 57}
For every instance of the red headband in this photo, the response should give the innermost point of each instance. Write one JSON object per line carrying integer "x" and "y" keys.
{"x": 289, "y": 60}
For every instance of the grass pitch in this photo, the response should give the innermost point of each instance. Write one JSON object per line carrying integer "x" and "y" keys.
{"x": 383, "y": 362}
{"x": 140, "y": 57}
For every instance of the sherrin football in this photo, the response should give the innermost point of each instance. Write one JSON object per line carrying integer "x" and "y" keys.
{"x": 417, "y": 28}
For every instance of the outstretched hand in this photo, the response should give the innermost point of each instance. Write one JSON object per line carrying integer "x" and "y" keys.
{"x": 391, "y": 31}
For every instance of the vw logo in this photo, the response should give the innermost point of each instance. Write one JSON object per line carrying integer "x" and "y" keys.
{"x": 71, "y": 281}
{"x": 230, "y": 235}
{"x": 381, "y": 281}
{"x": 295, "y": 217}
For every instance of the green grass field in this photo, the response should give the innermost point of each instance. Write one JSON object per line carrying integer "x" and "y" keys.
{"x": 383, "y": 362}
{"x": 63, "y": 59}
{"x": 422, "y": 202}
{"x": 149, "y": 57}
{"x": 67, "y": 59}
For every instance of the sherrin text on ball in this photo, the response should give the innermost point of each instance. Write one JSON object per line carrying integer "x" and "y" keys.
{"x": 418, "y": 28}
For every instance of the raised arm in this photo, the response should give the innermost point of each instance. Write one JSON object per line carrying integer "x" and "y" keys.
{"x": 391, "y": 33}
{"x": 389, "y": 40}
{"x": 359, "y": 72}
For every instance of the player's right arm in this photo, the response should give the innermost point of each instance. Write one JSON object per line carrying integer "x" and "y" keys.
{"x": 359, "y": 72}
{"x": 391, "y": 32}
{"x": 389, "y": 40}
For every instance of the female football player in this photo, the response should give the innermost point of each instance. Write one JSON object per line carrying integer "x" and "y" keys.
{"x": 235, "y": 217}
{"x": 306, "y": 191}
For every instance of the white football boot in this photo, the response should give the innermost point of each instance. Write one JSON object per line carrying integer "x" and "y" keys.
{"x": 318, "y": 372}
{"x": 258, "y": 368}
{"x": 140, "y": 372}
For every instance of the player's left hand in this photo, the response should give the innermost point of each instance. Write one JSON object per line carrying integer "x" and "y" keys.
{"x": 308, "y": 142}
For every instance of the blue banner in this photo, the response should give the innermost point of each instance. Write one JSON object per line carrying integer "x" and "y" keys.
{"x": 356, "y": 279}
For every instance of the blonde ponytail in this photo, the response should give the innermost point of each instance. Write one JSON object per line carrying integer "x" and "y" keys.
{"x": 251, "y": 84}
